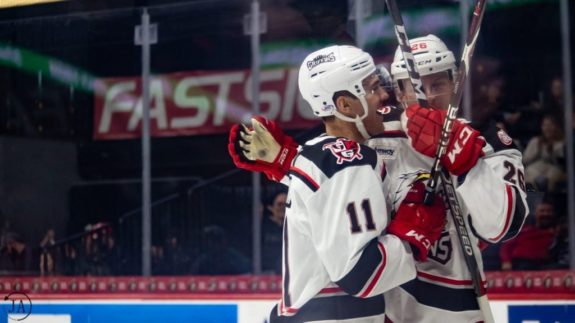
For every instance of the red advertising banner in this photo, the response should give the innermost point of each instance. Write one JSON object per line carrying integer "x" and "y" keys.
{"x": 197, "y": 103}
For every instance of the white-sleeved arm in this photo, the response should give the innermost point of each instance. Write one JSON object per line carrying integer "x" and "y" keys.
{"x": 494, "y": 193}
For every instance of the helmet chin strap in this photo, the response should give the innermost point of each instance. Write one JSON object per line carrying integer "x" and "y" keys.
{"x": 357, "y": 120}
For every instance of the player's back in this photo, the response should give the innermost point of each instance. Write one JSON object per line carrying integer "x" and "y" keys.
{"x": 331, "y": 245}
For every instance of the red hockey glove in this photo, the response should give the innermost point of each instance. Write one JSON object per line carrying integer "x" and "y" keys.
{"x": 265, "y": 148}
{"x": 417, "y": 223}
{"x": 464, "y": 148}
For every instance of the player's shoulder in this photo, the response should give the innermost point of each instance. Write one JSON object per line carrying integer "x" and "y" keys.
{"x": 392, "y": 123}
{"x": 496, "y": 137}
{"x": 334, "y": 154}
{"x": 391, "y": 113}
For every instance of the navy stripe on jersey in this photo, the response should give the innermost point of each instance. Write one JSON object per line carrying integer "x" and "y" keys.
{"x": 391, "y": 134}
{"x": 451, "y": 299}
{"x": 496, "y": 137}
{"x": 285, "y": 288}
{"x": 329, "y": 157}
{"x": 341, "y": 307}
{"x": 305, "y": 178}
{"x": 369, "y": 262}
{"x": 518, "y": 217}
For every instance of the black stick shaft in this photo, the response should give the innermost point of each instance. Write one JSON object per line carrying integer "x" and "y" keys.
{"x": 408, "y": 57}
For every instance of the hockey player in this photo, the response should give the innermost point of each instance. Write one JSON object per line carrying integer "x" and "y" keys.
{"x": 486, "y": 166}
{"x": 488, "y": 171}
{"x": 337, "y": 258}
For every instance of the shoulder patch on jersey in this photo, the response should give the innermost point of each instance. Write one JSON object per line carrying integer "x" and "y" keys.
{"x": 391, "y": 113}
{"x": 334, "y": 154}
{"x": 496, "y": 137}
{"x": 504, "y": 137}
{"x": 344, "y": 150}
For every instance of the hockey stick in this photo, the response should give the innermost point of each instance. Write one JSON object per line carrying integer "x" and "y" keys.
{"x": 455, "y": 209}
{"x": 406, "y": 51}
{"x": 462, "y": 74}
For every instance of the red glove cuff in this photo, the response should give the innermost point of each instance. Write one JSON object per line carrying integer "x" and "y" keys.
{"x": 274, "y": 171}
{"x": 419, "y": 224}
{"x": 464, "y": 149}
{"x": 416, "y": 239}
{"x": 465, "y": 146}
{"x": 282, "y": 163}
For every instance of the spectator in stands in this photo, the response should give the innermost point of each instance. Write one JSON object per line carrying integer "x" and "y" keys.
{"x": 489, "y": 106}
{"x": 524, "y": 122}
{"x": 488, "y": 93}
{"x": 272, "y": 228}
{"x": 70, "y": 260}
{"x": 552, "y": 100}
{"x": 175, "y": 256}
{"x": 530, "y": 250}
{"x": 218, "y": 258}
{"x": 158, "y": 265}
{"x": 4, "y": 231}
{"x": 47, "y": 253}
{"x": 96, "y": 249}
{"x": 112, "y": 256}
{"x": 545, "y": 154}
{"x": 559, "y": 250}
{"x": 16, "y": 256}
{"x": 491, "y": 258}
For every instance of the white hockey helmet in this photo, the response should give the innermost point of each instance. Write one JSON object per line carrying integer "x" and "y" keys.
{"x": 431, "y": 56}
{"x": 330, "y": 70}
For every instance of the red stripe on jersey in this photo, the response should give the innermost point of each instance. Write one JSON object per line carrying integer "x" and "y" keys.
{"x": 330, "y": 290}
{"x": 286, "y": 299}
{"x": 445, "y": 280}
{"x": 306, "y": 176}
{"x": 383, "y": 172}
{"x": 510, "y": 198}
{"x": 290, "y": 310}
{"x": 286, "y": 310}
{"x": 378, "y": 272}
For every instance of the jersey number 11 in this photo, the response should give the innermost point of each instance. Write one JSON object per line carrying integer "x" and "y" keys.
{"x": 353, "y": 218}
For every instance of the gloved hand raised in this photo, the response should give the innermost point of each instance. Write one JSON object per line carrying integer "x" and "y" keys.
{"x": 263, "y": 148}
{"x": 465, "y": 145}
{"x": 419, "y": 224}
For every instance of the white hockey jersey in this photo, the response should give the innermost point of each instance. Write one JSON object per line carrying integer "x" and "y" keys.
{"x": 336, "y": 260}
{"x": 493, "y": 200}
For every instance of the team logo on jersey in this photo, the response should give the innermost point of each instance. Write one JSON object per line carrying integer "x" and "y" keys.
{"x": 384, "y": 110}
{"x": 320, "y": 59}
{"x": 442, "y": 249}
{"x": 344, "y": 150}
{"x": 504, "y": 137}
